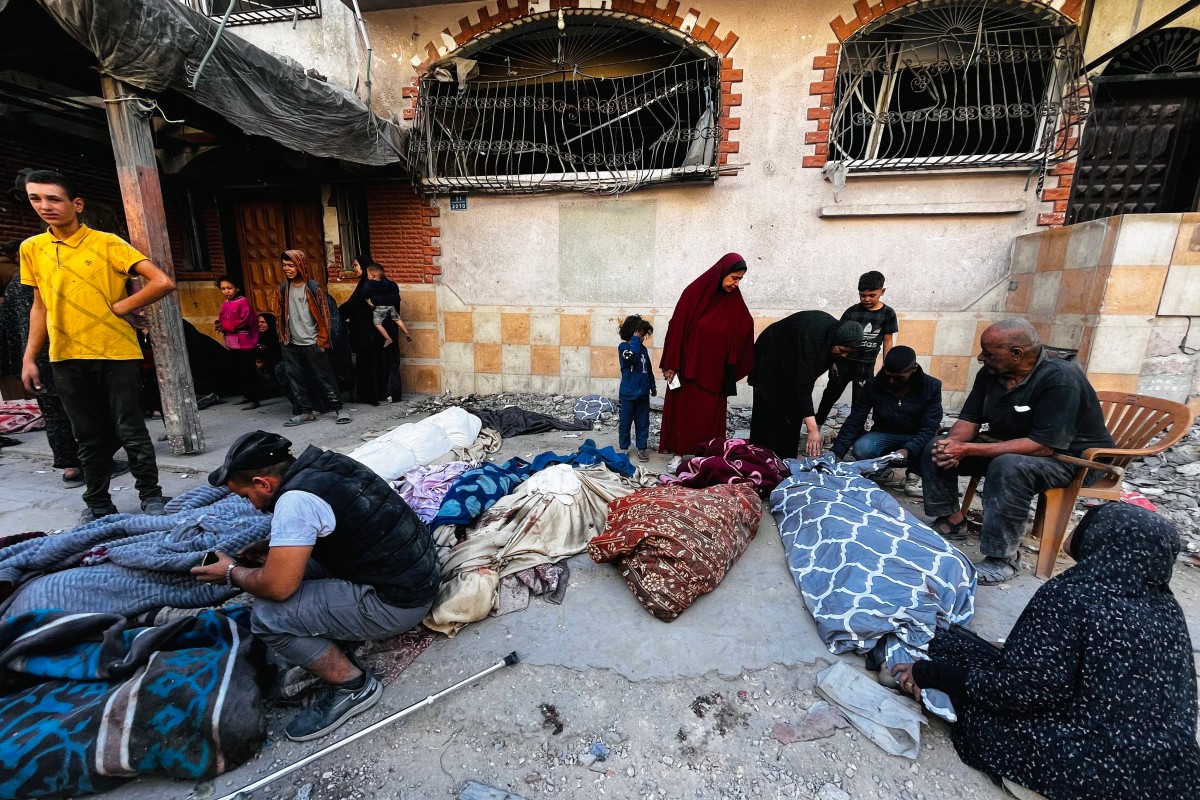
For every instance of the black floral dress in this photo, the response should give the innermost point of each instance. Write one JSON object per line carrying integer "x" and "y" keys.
{"x": 1094, "y": 695}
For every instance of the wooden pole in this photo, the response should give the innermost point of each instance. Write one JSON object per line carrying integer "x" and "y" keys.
{"x": 141, "y": 194}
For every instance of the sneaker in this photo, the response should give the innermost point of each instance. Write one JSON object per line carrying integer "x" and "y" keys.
{"x": 643, "y": 456}
{"x": 912, "y": 485}
{"x": 333, "y": 706}
{"x": 155, "y": 505}
{"x": 92, "y": 514}
{"x": 674, "y": 463}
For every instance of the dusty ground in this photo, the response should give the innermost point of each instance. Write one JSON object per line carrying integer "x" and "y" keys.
{"x": 685, "y": 709}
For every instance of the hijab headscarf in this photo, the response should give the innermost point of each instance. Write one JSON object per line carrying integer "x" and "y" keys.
{"x": 847, "y": 334}
{"x": 1124, "y": 549}
{"x": 711, "y": 334}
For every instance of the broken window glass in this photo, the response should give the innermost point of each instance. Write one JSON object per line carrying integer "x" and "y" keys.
{"x": 582, "y": 100}
{"x": 954, "y": 84}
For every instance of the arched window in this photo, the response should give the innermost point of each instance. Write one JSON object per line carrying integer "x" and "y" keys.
{"x": 952, "y": 84}
{"x": 579, "y": 99}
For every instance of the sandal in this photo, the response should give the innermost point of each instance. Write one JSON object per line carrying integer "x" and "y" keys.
{"x": 948, "y": 530}
{"x": 300, "y": 419}
{"x": 343, "y": 417}
{"x": 991, "y": 571}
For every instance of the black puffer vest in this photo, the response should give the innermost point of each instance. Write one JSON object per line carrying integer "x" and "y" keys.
{"x": 378, "y": 540}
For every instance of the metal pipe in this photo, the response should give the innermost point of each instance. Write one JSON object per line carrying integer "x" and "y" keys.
{"x": 362, "y": 29}
{"x": 508, "y": 660}
{"x": 1153, "y": 26}
{"x": 220, "y": 29}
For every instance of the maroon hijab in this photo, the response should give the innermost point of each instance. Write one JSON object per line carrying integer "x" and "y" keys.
{"x": 711, "y": 330}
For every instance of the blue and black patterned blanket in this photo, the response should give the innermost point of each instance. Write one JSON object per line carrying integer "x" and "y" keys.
{"x": 478, "y": 489}
{"x": 130, "y": 563}
{"x": 868, "y": 569}
{"x": 87, "y": 701}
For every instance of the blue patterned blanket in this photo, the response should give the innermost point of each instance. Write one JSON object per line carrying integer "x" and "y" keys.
{"x": 87, "y": 701}
{"x": 868, "y": 569}
{"x": 478, "y": 489}
{"x": 135, "y": 562}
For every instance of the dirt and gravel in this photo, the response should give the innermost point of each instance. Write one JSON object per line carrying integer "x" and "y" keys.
{"x": 607, "y": 701}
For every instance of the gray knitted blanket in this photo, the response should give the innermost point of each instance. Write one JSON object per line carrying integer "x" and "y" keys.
{"x": 130, "y": 563}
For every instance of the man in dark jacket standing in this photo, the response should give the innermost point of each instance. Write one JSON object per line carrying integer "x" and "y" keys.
{"x": 348, "y": 560}
{"x": 906, "y": 406}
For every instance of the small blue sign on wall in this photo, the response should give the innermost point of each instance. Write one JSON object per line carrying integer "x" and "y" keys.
{"x": 458, "y": 202}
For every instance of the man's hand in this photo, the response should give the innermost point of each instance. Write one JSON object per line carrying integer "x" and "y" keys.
{"x": 654, "y": 391}
{"x": 813, "y": 445}
{"x": 903, "y": 673}
{"x": 30, "y": 377}
{"x": 901, "y": 457}
{"x": 947, "y": 453}
{"x": 214, "y": 573}
{"x": 669, "y": 375}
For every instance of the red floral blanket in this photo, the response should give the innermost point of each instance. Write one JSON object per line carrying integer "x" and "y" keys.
{"x": 673, "y": 544}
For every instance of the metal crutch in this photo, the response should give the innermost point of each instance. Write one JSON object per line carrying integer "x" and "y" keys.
{"x": 508, "y": 660}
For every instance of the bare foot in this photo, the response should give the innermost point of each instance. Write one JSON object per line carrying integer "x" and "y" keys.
{"x": 387, "y": 342}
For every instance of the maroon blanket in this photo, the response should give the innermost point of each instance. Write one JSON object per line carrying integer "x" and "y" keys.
{"x": 673, "y": 544}
{"x": 731, "y": 461}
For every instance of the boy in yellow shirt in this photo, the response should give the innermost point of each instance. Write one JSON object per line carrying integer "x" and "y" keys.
{"x": 80, "y": 302}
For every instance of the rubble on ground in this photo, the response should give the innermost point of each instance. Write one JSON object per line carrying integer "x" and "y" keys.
{"x": 1171, "y": 481}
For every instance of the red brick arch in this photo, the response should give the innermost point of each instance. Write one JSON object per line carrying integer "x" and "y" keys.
{"x": 691, "y": 23}
{"x": 825, "y": 65}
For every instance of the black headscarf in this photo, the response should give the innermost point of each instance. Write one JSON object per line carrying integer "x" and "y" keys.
{"x": 268, "y": 342}
{"x": 1094, "y": 695}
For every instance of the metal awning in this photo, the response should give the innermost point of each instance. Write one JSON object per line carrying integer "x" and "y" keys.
{"x": 157, "y": 45}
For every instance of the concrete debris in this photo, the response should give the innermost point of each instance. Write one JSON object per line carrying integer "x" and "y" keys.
{"x": 1171, "y": 480}
{"x": 831, "y": 792}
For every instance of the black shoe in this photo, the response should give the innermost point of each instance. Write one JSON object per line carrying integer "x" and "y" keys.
{"x": 99, "y": 512}
{"x": 333, "y": 706}
{"x": 154, "y": 505}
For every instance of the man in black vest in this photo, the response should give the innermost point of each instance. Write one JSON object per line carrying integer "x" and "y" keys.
{"x": 348, "y": 561}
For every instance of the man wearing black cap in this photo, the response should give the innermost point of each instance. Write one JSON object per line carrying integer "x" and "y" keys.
{"x": 906, "y": 406}
{"x": 348, "y": 561}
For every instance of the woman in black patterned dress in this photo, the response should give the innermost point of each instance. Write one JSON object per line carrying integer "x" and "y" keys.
{"x": 1094, "y": 695}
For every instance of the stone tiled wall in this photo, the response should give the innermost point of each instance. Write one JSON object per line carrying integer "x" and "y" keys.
{"x": 1124, "y": 292}
{"x": 564, "y": 350}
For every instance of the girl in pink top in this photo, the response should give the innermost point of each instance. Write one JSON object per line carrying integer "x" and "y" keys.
{"x": 239, "y": 323}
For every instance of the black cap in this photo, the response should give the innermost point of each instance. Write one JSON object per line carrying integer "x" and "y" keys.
{"x": 899, "y": 358}
{"x": 251, "y": 450}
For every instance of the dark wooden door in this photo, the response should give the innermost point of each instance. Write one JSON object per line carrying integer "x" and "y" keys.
{"x": 264, "y": 231}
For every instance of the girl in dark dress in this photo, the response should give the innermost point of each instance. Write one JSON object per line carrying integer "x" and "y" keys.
{"x": 1093, "y": 696}
{"x": 789, "y": 356}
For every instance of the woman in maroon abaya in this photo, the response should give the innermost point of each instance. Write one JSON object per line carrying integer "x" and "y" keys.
{"x": 709, "y": 347}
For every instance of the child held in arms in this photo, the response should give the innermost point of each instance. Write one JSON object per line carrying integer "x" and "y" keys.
{"x": 383, "y": 298}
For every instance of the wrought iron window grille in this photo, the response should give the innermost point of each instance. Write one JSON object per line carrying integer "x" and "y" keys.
{"x": 958, "y": 84}
{"x": 252, "y": 12}
{"x": 602, "y": 104}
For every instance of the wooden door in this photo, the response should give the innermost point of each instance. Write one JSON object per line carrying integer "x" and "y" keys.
{"x": 261, "y": 238}
{"x": 265, "y": 230}
{"x": 306, "y": 231}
